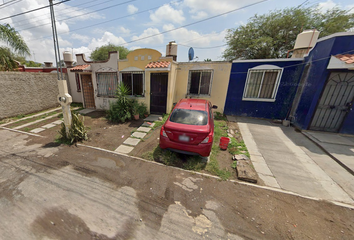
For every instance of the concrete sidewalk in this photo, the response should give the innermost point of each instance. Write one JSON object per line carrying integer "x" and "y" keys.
{"x": 339, "y": 147}
{"x": 286, "y": 159}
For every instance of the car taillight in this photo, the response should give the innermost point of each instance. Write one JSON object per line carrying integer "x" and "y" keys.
{"x": 208, "y": 139}
{"x": 162, "y": 132}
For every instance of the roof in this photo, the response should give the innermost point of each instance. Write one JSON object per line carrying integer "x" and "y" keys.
{"x": 347, "y": 58}
{"x": 162, "y": 64}
{"x": 80, "y": 68}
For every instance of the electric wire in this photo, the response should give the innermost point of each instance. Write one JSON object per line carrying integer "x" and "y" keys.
{"x": 46, "y": 18}
{"x": 101, "y": 9}
{"x": 12, "y": 2}
{"x": 33, "y": 10}
{"x": 79, "y": 15}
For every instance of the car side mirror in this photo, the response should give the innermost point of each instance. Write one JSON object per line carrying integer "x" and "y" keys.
{"x": 214, "y": 107}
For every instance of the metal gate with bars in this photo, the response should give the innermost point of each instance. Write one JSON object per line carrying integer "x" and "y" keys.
{"x": 335, "y": 102}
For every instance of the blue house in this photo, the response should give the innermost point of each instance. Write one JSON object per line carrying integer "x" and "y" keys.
{"x": 315, "y": 92}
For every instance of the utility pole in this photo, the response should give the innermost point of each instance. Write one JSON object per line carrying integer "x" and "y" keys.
{"x": 64, "y": 97}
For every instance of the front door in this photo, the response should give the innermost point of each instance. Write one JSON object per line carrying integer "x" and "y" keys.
{"x": 87, "y": 88}
{"x": 336, "y": 101}
{"x": 158, "y": 95}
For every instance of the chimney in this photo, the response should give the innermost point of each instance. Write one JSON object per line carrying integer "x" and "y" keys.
{"x": 171, "y": 50}
{"x": 48, "y": 64}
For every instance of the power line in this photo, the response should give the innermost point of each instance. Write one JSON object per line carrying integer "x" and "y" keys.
{"x": 186, "y": 25}
{"x": 33, "y": 10}
{"x": 4, "y": 5}
{"x": 101, "y": 9}
{"x": 299, "y": 64}
{"x": 66, "y": 12}
{"x": 203, "y": 47}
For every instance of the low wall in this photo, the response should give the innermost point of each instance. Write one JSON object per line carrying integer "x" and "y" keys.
{"x": 23, "y": 93}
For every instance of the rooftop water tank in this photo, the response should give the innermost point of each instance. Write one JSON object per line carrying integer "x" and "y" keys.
{"x": 171, "y": 50}
{"x": 68, "y": 59}
{"x": 306, "y": 39}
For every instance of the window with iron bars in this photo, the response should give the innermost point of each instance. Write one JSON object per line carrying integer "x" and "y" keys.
{"x": 135, "y": 82}
{"x": 262, "y": 84}
{"x": 78, "y": 85}
{"x": 199, "y": 82}
{"x": 107, "y": 84}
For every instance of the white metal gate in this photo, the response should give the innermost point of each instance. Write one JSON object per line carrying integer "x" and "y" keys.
{"x": 336, "y": 101}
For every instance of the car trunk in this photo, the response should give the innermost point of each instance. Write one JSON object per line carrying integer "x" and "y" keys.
{"x": 188, "y": 134}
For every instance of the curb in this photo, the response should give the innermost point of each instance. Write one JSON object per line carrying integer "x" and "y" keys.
{"x": 346, "y": 205}
{"x": 18, "y": 131}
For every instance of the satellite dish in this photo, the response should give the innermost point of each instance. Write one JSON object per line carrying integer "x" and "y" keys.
{"x": 190, "y": 54}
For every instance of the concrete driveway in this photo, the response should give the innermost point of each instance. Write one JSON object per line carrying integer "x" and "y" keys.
{"x": 288, "y": 160}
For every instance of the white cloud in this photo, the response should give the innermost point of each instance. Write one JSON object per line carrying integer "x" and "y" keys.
{"x": 198, "y": 15}
{"x": 132, "y": 9}
{"x": 215, "y": 7}
{"x": 124, "y": 31}
{"x": 150, "y": 40}
{"x": 325, "y": 6}
{"x": 194, "y": 38}
{"x": 107, "y": 37}
{"x": 166, "y": 13}
{"x": 82, "y": 38}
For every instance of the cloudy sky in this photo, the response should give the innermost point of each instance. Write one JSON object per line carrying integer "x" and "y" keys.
{"x": 84, "y": 25}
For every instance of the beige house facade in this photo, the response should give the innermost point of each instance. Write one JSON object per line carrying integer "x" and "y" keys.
{"x": 157, "y": 81}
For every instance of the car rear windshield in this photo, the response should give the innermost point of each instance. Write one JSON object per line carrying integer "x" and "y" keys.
{"x": 191, "y": 117}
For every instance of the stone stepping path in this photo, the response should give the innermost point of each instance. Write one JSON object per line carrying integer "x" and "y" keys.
{"x": 47, "y": 126}
{"x": 129, "y": 144}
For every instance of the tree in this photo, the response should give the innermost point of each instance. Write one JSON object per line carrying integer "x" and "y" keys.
{"x": 29, "y": 63}
{"x": 16, "y": 46}
{"x": 101, "y": 53}
{"x": 272, "y": 35}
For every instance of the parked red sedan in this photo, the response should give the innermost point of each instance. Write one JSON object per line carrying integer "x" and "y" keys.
{"x": 190, "y": 128}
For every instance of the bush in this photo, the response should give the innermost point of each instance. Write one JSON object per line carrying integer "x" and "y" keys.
{"x": 142, "y": 109}
{"x": 121, "y": 110}
{"x": 77, "y": 131}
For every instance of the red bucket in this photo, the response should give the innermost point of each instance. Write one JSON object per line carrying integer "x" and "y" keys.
{"x": 224, "y": 142}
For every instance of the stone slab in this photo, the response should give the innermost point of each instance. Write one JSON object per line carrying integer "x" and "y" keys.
{"x": 148, "y": 124}
{"x": 50, "y": 125}
{"x": 37, "y": 130}
{"x": 144, "y": 129}
{"x": 132, "y": 141}
{"x": 124, "y": 149}
{"x": 138, "y": 134}
{"x": 57, "y": 122}
{"x": 246, "y": 172}
{"x": 152, "y": 118}
{"x": 86, "y": 111}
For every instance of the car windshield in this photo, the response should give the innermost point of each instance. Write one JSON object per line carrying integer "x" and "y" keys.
{"x": 191, "y": 117}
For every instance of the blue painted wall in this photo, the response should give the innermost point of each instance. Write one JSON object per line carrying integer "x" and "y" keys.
{"x": 318, "y": 74}
{"x": 279, "y": 109}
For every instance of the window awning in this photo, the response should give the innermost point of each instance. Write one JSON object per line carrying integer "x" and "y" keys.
{"x": 81, "y": 68}
{"x": 341, "y": 62}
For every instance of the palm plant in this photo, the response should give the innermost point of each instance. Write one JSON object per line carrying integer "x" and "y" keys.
{"x": 16, "y": 44}
{"x": 120, "y": 110}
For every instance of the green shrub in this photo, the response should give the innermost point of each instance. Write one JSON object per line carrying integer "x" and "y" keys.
{"x": 77, "y": 131}
{"x": 142, "y": 109}
{"x": 120, "y": 110}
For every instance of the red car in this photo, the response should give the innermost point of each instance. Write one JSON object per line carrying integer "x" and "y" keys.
{"x": 190, "y": 128}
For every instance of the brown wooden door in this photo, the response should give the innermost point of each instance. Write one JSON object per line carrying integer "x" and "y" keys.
{"x": 158, "y": 98}
{"x": 88, "y": 92}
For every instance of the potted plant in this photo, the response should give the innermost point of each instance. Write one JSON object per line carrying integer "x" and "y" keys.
{"x": 135, "y": 109}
